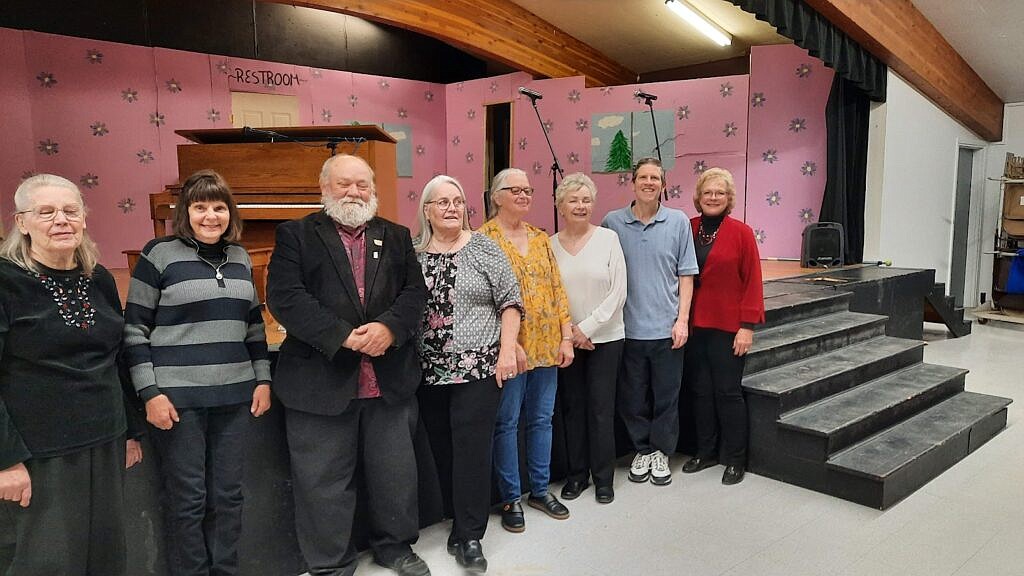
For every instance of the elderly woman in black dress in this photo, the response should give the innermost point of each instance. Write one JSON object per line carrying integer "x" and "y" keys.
{"x": 467, "y": 349}
{"x": 63, "y": 448}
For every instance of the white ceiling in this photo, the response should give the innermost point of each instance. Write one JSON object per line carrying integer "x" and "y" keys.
{"x": 989, "y": 34}
{"x": 645, "y": 36}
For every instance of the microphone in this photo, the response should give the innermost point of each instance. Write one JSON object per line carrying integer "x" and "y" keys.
{"x": 531, "y": 94}
{"x": 644, "y": 95}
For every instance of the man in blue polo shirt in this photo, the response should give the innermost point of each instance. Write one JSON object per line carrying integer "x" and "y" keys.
{"x": 660, "y": 265}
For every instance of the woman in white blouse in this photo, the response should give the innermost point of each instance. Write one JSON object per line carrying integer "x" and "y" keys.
{"x": 594, "y": 275}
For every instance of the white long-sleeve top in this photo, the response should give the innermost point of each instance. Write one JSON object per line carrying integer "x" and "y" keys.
{"x": 595, "y": 282}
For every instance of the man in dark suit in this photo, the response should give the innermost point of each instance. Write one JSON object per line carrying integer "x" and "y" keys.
{"x": 348, "y": 289}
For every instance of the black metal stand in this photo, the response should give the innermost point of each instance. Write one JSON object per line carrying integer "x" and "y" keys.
{"x": 556, "y": 170}
{"x": 330, "y": 142}
{"x": 657, "y": 143}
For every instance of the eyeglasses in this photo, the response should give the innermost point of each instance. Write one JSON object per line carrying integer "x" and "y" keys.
{"x": 48, "y": 213}
{"x": 444, "y": 204}
{"x": 517, "y": 190}
{"x": 714, "y": 193}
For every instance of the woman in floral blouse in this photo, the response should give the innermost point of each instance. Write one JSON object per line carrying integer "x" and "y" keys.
{"x": 467, "y": 350}
{"x": 545, "y": 344}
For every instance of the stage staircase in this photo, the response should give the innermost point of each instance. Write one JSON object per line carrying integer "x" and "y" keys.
{"x": 838, "y": 407}
{"x": 942, "y": 309}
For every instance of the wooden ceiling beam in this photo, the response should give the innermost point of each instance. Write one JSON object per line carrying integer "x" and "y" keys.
{"x": 899, "y": 35}
{"x": 493, "y": 29}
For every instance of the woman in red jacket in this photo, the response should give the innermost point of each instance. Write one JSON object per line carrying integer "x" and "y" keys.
{"x": 727, "y": 302}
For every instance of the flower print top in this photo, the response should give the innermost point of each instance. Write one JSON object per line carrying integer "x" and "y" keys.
{"x": 467, "y": 291}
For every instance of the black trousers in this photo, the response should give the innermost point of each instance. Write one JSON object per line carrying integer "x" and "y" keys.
{"x": 459, "y": 420}
{"x": 586, "y": 392}
{"x": 648, "y": 396}
{"x": 718, "y": 405}
{"x": 201, "y": 459}
{"x": 375, "y": 438}
{"x": 74, "y": 525}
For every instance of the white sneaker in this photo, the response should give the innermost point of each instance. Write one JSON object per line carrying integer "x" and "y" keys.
{"x": 641, "y": 467}
{"x": 660, "y": 472}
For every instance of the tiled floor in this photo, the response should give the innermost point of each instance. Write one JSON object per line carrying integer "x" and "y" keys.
{"x": 967, "y": 522}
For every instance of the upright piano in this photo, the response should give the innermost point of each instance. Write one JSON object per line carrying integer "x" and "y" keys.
{"x": 275, "y": 181}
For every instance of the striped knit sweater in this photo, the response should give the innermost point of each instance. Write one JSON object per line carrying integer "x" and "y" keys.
{"x": 196, "y": 338}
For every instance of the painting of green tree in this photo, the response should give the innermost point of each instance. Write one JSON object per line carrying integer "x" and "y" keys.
{"x": 620, "y": 157}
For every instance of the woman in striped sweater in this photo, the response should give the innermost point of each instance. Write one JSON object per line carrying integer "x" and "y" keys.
{"x": 195, "y": 341}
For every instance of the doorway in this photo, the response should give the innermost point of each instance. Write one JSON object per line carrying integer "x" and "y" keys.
{"x": 498, "y": 154}
{"x": 961, "y": 223}
{"x": 264, "y": 110}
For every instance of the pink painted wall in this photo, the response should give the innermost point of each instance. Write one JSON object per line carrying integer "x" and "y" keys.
{"x": 787, "y": 148}
{"x": 104, "y": 114}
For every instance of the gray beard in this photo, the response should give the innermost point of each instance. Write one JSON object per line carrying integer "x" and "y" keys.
{"x": 351, "y": 213}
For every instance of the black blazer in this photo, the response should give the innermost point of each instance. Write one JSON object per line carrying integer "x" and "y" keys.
{"x": 312, "y": 293}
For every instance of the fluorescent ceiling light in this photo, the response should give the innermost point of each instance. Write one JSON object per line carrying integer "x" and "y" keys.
{"x": 699, "y": 21}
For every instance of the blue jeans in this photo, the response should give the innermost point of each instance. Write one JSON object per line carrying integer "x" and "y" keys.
{"x": 532, "y": 392}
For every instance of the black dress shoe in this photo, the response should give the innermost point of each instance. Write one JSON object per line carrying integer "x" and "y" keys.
{"x": 408, "y": 565}
{"x": 604, "y": 494}
{"x": 732, "y": 475}
{"x": 573, "y": 489}
{"x": 450, "y": 545}
{"x": 470, "y": 555}
{"x": 549, "y": 505}
{"x": 697, "y": 464}
{"x": 512, "y": 517}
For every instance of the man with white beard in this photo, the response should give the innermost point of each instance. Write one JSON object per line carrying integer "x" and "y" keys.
{"x": 347, "y": 287}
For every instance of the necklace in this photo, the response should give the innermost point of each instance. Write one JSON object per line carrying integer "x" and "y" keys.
{"x": 705, "y": 238}
{"x": 450, "y": 244}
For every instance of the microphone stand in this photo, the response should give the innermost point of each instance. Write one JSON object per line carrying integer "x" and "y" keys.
{"x": 657, "y": 143}
{"x": 556, "y": 170}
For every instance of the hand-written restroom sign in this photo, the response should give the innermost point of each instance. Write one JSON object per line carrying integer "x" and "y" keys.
{"x": 265, "y": 77}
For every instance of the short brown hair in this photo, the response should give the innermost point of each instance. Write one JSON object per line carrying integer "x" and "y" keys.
{"x": 206, "y": 186}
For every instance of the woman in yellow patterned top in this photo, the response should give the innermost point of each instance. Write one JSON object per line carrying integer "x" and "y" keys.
{"x": 545, "y": 344}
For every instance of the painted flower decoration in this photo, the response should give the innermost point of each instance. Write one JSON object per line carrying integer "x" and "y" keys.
{"x": 469, "y": 156}
{"x": 537, "y": 167}
{"x": 493, "y": 87}
{"x": 27, "y": 174}
{"x": 803, "y": 70}
{"x": 797, "y": 125}
{"x": 809, "y": 168}
{"x": 129, "y": 95}
{"x": 770, "y": 155}
{"x": 774, "y": 198}
{"x": 623, "y": 179}
{"x": 412, "y": 196}
{"x": 758, "y": 100}
{"x": 606, "y": 90}
{"x": 222, "y": 67}
{"x": 675, "y": 192}
{"x": 99, "y": 129}
{"x": 548, "y": 125}
{"x": 574, "y": 158}
{"x": 126, "y": 205}
{"x": 89, "y": 180}
{"x": 353, "y": 100}
{"x": 726, "y": 90}
{"x": 683, "y": 112}
{"x": 760, "y": 236}
{"x": 428, "y": 96}
{"x": 403, "y": 113}
{"x": 582, "y": 124}
{"x": 94, "y": 56}
{"x": 144, "y": 156}
{"x": 522, "y": 143}
{"x": 383, "y": 84}
{"x": 49, "y": 147}
{"x": 156, "y": 118}
{"x": 421, "y": 149}
{"x": 459, "y": 86}
{"x": 730, "y": 129}
{"x": 456, "y": 140}
{"x": 315, "y": 73}
{"x": 173, "y": 86}
{"x": 471, "y": 211}
{"x": 699, "y": 167}
{"x": 471, "y": 113}
{"x": 326, "y": 115}
{"x": 213, "y": 115}
{"x": 806, "y": 215}
{"x": 46, "y": 79}
{"x": 574, "y": 96}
